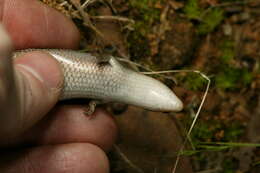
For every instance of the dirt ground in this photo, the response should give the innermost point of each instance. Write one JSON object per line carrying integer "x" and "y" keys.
{"x": 221, "y": 38}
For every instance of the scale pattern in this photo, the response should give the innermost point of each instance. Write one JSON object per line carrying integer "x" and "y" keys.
{"x": 86, "y": 76}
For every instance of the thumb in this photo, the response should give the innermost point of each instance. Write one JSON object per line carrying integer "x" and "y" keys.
{"x": 28, "y": 90}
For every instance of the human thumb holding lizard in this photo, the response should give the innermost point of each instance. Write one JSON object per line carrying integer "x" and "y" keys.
{"x": 37, "y": 135}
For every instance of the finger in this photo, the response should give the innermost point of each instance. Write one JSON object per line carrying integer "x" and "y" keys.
{"x": 7, "y": 83}
{"x": 33, "y": 24}
{"x": 76, "y": 157}
{"x": 37, "y": 91}
{"x": 68, "y": 124}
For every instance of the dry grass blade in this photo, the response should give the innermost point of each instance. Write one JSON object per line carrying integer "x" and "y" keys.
{"x": 159, "y": 73}
{"x": 86, "y": 18}
{"x": 118, "y": 18}
{"x": 196, "y": 115}
{"x": 86, "y": 3}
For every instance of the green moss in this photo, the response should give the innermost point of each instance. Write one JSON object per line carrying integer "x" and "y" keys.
{"x": 246, "y": 77}
{"x": 257, "y": 163}
{"x": 227, "y": 51}
{"x": 230, "y": 165}
{"x": 202, "y": 132}
{"x": 192, "y": 9}
{"x": 194, "y": 81}
{"x": 233, "y": 132}
{"x": 205, "y": 131}
{"x": 204, "y": 139}
{"x": 145, "y": 16}
{"x": 210, "y": 21}
{"x": 232, "y": 78}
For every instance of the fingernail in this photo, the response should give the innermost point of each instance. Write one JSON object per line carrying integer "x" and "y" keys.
{"x": 43, "y": 67}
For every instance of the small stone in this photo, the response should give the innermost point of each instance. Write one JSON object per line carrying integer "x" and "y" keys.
{"x": 227, "y": 29}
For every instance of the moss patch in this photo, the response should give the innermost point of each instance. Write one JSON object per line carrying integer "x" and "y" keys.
{"x": 232, "y": 78}
{"x": 208, "y": 131}
{"x": 208, "y": 19}
{"x": 229, "y": 165}
{"x": 194, "y": 82}
{"x": 227, "y": 50}
{"x": 192, "y": 10}
{"x": 145, "y": 15}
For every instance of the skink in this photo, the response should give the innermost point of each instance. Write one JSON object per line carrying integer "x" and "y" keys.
{"x": 86, "y": 76}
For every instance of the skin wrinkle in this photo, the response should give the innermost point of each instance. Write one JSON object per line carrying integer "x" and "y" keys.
{"x": 28, "y": 165}
{"x": 7, "y": 14}
{"x": 65, "y": 124}
{"x": 46, "y": 20}
{"x": 33, "y": 89}
{"x": 64, "y": 159}
{"x": 25, "y": 97}
{"x": 28, "y": 97}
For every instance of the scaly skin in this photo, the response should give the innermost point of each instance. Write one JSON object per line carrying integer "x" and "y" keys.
{"x": 86, "y": 77}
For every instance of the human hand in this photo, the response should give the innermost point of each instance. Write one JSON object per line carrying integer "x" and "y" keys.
{"x": 34, "y": 136}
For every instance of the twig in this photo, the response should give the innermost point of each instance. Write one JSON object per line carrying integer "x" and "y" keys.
{"x": 63, "y": 3}
{"x": 226, "y": 4}
{"x": 86, "y": 3}
{"x": 244, "y": 2}
{"x": 86, "y": 18}
{"x": 87, "y": 22}
{"x": 119, "y": 18}
{"x": 110, "y": 5}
